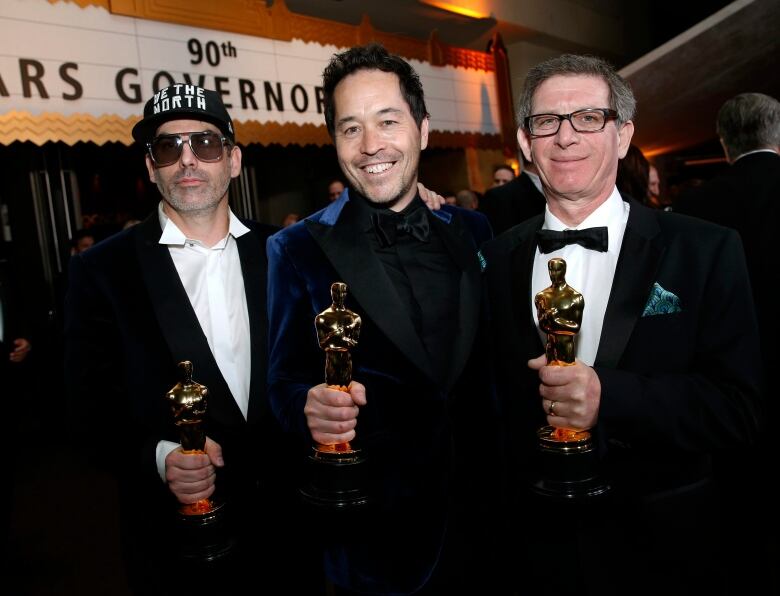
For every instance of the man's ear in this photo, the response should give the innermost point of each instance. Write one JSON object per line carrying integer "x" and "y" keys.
{"x": 424, "y": 133}
{"x": 725, "y": 150}
{"x": 235, "y": 161}
{"x": 624, "y": 138}
{"x": 150, "y": 167}
{"x": 524, "y": 140}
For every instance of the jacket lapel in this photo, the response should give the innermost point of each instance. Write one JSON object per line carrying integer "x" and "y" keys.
{"x": 522, "y": 262}
{"x": 177, "y": 319}
{"x": 461, "y": 247}
{"x": 254, "y": 269}
{"x": 640, "y": 257}
{"x": 348, "y": 250}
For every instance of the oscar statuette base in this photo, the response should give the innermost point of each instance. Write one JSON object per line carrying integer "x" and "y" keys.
{"x": 568, "y": 469}
{"x": 335, "y": 479}
{"x": 204, "y": 537}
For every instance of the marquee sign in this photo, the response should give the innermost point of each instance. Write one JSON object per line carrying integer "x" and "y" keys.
{"x": 71, "y": 73}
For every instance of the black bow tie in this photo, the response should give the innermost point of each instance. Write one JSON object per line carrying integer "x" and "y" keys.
{"x": 592, "y": 238}
{"x": 389, "y": 225}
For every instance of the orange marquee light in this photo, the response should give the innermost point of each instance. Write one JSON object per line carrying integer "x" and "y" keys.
{"x": 465, "y": 11}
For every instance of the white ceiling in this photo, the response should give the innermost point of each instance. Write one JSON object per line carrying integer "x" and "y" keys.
{"x": 679, "y": 85}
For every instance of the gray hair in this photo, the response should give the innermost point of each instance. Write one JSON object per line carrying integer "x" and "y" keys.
{"x": 621, "y": 98}
{"x": 749, "y": 121}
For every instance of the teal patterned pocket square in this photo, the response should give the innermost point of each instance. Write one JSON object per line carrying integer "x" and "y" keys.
{"x": 661, "y": 302}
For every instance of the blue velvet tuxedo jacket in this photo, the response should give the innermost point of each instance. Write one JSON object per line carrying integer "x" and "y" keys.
{"x": 413, "y": 428}
{"x": 676, "y": 387}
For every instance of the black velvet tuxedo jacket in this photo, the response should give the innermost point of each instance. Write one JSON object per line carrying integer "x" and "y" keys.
{"x": 128, "y": 323}
{"x": 512, "y": 203}
{"x": 675, "y": 388}
{"x": 413, "y": 429}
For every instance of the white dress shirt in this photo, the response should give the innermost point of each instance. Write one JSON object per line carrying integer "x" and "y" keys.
{"x": 590, "y": 272}
{"x": 214, "y": 283}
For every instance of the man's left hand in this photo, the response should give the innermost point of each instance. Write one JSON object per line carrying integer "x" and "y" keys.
{"x": 574, "y": 390}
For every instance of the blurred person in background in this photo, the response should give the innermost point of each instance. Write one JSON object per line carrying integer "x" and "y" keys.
{"x": 633, "y": 176}
{"x": 502, "y": 174}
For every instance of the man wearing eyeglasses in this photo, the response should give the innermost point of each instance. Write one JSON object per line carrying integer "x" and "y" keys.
{"x": 667, "y": 365}
{"x": 188, "y": 283}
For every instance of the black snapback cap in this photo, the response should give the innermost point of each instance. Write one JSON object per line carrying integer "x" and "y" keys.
{"x": 183, "y": 102}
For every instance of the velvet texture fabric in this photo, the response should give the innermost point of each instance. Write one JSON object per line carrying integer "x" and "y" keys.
{"x": 417, "y": 431}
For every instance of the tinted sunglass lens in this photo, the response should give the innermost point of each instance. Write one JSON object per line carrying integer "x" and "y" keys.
{"x": 206, "y": 146}
{"x": 166, "y": 150}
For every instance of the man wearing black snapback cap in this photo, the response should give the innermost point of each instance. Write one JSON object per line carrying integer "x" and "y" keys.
{"x": 188, "y": 283}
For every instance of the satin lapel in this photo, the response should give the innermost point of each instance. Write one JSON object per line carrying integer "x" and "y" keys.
{"x": 461, "y": 247}
{"x": 178, "y": 321}
{"x": 254, "y": 269}
{"x": 347, "y": 249}
{"x": 640, "y": 257}
{"x": 521, "y": 273}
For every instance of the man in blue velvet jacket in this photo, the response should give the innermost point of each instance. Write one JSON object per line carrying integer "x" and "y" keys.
{"x": 420, "y": 388}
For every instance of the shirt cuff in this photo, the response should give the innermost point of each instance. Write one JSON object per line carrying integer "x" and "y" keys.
{"x": 163, "y": 449}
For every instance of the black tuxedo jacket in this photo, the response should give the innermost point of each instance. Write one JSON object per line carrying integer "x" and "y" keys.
{"x": 674, "y": 389}
{"x": 746, "y": 197}
{"x": 512, "y": 203}
{"x": 128, "y": 323}
{"x": 416, "y": 432}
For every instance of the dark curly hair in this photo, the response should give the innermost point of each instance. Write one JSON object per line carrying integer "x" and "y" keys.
{"x": 372, "y": 57}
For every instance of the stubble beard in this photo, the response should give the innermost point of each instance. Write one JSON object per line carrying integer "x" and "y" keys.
{"x": 181, "y": 199}
{"x": 388, "y": 202}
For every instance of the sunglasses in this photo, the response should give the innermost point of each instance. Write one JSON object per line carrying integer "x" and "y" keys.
{"x": 206, "y": 146}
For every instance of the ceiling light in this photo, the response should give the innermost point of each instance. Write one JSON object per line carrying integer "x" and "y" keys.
{"x": 457, "y": 8}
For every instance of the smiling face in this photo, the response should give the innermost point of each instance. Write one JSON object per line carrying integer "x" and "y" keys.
{"x": 190, "y": 185}
{"x": 377, "y": 140}
{"x": 576, "y": 168}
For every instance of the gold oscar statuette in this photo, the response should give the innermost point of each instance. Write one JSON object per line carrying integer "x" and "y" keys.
{"x": 188, "y": 405}
{"x": 202, "y": 534}
{"x": 559, "y": 308}
{"x": 336, "y": 474}
{"x": 568, "y": 461}
{"x": 338, "y": 329}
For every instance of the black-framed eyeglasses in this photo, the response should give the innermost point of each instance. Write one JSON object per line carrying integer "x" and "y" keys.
{"x": 206, "y": 145}
{"x": 587, "y": 120}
